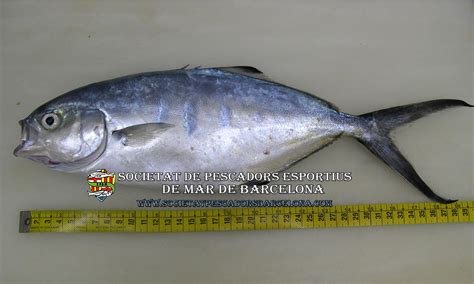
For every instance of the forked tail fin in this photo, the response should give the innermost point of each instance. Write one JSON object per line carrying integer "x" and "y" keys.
{"x": 378, "y": 140}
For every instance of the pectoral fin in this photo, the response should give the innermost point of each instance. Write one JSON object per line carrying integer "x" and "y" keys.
{"x": 140, "y": 134}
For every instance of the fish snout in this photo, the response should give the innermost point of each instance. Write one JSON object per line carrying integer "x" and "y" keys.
{"x": 26, "y": 147}
{"x": 19, "y": 150}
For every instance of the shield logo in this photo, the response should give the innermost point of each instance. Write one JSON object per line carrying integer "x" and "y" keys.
{"x": 101, "y": 184}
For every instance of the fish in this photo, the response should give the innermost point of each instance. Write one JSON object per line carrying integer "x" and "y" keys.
{"x": 197, "y": 120}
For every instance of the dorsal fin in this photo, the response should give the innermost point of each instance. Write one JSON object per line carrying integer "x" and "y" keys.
{"x": 248, "y": 71}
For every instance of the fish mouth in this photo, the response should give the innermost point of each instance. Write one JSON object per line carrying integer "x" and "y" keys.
{"x": 22, "y": 151}
{"x": 28, "y": 150}
{"x": 19, "y": 149}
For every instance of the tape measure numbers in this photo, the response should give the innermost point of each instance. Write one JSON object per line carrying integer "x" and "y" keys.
{"x": 233, "y": 219}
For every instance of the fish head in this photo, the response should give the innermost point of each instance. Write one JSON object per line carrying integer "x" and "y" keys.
{"x": 63, "y": 138}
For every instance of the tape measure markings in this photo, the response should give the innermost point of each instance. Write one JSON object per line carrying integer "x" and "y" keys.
{"x": 233, "y": 219}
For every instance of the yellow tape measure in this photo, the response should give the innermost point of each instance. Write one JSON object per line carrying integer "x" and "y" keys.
{"x": 259, "y": 218}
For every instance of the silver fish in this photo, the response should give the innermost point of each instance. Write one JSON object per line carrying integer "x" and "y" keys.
{"x": 229, "y": 119}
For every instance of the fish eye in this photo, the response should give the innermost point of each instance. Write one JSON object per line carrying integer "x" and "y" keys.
{"x": 50, "y": 121}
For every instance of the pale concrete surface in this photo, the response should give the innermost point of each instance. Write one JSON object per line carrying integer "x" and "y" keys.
{"x": 360, "y": 55}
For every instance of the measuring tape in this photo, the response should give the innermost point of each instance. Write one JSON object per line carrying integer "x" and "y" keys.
{"x": 234, "y": 219}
